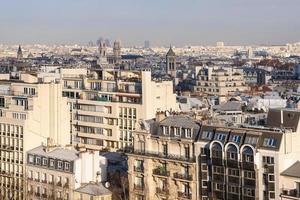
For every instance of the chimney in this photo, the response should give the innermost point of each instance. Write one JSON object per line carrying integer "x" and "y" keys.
{"x": 160, "y": 116}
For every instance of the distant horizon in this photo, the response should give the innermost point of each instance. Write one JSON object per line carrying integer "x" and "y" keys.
{"x": 151, "y": 46}
{"x": 176, "y": 22}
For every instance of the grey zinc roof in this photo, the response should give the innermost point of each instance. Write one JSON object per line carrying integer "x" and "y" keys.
{"x": 175, "y": 121}
{"x": 231, "y": 106}
{"x": 292, "y": 171}
{"x": 180, "y": 121}
{"x": 59, "y": 153}
{"x": 290, "y": 118}
{"x": 94, "y": 189}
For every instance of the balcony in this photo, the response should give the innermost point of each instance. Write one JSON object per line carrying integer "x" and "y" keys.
{"x": 66, "y": 185}
{"x": 249, "y": 182}
{"x": 217, "y": 161}
{"x": 247, "y": 165}
{"x": 59, "y": 184}
{"x": 162, "y": 191}
{"x": 160, "y": 171}
{"x": 184, "y": 195}
{"x": 186, "y": 177}
{"x": 218, "y": 178}
{"x": 160, "y": 155}
{"x": 232, "y": 163}
{"x": 139, "y": 169}
{"x": 290, "y": 193}
{"x": 233, "y": 179}
{"x": 138, "y": 187}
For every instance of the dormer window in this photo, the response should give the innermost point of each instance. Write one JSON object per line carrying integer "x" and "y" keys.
{"x": 236, "y": 138}
{"x": 166, "y": 130}
{"x": 45, "y": 161}
{"x": 31, "y": 159}
{"x": 188, "y": 133}
{"x": 177, "y": 131}
{"x": 270, "y": 142}
{"x": 220, "y": 136}
{"x": 38, "y": 160}
{"x": 207, "y": 135}
{"x": 59, "y": 164}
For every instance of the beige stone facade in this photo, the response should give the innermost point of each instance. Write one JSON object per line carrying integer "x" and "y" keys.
{"x": 217, "y": 81}
{"x": 29, "y": 114}
{"x": 162, "y": 164}
{"x": 106, "y": 108}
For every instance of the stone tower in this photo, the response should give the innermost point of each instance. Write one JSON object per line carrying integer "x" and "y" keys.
{"x": 102, "y": 61}
{"x": 19, "y": 54}
{"x": 117, "y": 51}
{"x": 171, "y": 62}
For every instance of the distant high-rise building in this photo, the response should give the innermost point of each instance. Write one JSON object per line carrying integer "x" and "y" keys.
{"x": 147, "y": 44}
{"x": 171, "y": 62}
{"x": 19, "y": 54}
{"x": 220, "y": 44}
{"x": 250, "y": 53}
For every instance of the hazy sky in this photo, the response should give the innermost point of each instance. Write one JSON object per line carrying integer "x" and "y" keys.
{"x": 163, "y": 22}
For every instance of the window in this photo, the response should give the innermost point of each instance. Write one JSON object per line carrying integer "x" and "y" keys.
{"x": 67, "y": 166}
{"x": 2, "y": 102}
{"x": 271, "y": 177}
{"x": 52, "y": 163}
{"x": 236, "y": 138}
{"x": 220, "y": 136}
{"x": 268, "y": 159}
{"x": 249, "y": 192}
{"x": 38, "y": 160}
{"x": 165, "y": 149}
{"x": 45, "y": 161}
{"x": 187, "y": 152}
{"x": 166, "y": 130}
{"x": 270, "y": 142}
{"x": 249, "y": 174}
{"x": 30, "y": 158}
{"x": 59, "y": 164}
{"x": 233, "y": 172}
{"x": 207, "y": 135}
{"x": 251, "y": 140}
{"x": 188, "y": 133}
{"x": 177, "y": 131}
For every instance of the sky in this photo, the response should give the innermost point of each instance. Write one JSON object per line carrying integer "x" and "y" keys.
{"x": 162, "y": 22}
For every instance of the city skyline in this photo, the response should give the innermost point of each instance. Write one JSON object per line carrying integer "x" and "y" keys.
{"x": 162, "y": 23}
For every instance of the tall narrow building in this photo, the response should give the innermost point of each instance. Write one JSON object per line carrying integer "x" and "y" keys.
{"x": 117, "y": 52}
{"x": 102, "y": 61}
{"x": 30, "y": 113}
{"x": 20, "y": 53}
{"x": 171, "y": 62}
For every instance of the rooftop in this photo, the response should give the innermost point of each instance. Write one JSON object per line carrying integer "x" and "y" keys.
{"x": 57, "y": 152}
{"x": 292, "y": 171}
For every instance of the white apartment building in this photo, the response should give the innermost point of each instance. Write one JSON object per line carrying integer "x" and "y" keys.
{"x": 108, "y": 104}
{"x": 219, "y": 81}
{"x": 54, "y": 172}
{"x": 30, "y": 112}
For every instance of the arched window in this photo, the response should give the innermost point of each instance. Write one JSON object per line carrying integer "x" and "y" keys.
{"x": 232, "y": 152}
{"x": 248, "y": 155}
{"x": 216, "y": 150}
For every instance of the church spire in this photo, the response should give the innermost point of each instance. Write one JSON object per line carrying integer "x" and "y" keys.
{"x": 20, "y": 53}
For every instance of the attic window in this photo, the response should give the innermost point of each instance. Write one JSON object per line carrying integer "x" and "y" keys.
{"x": 291, "y": 115}
{"x": 220, "y": 136}
{"x": 270, "y": 142}
{"x": 206, "y": 135}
